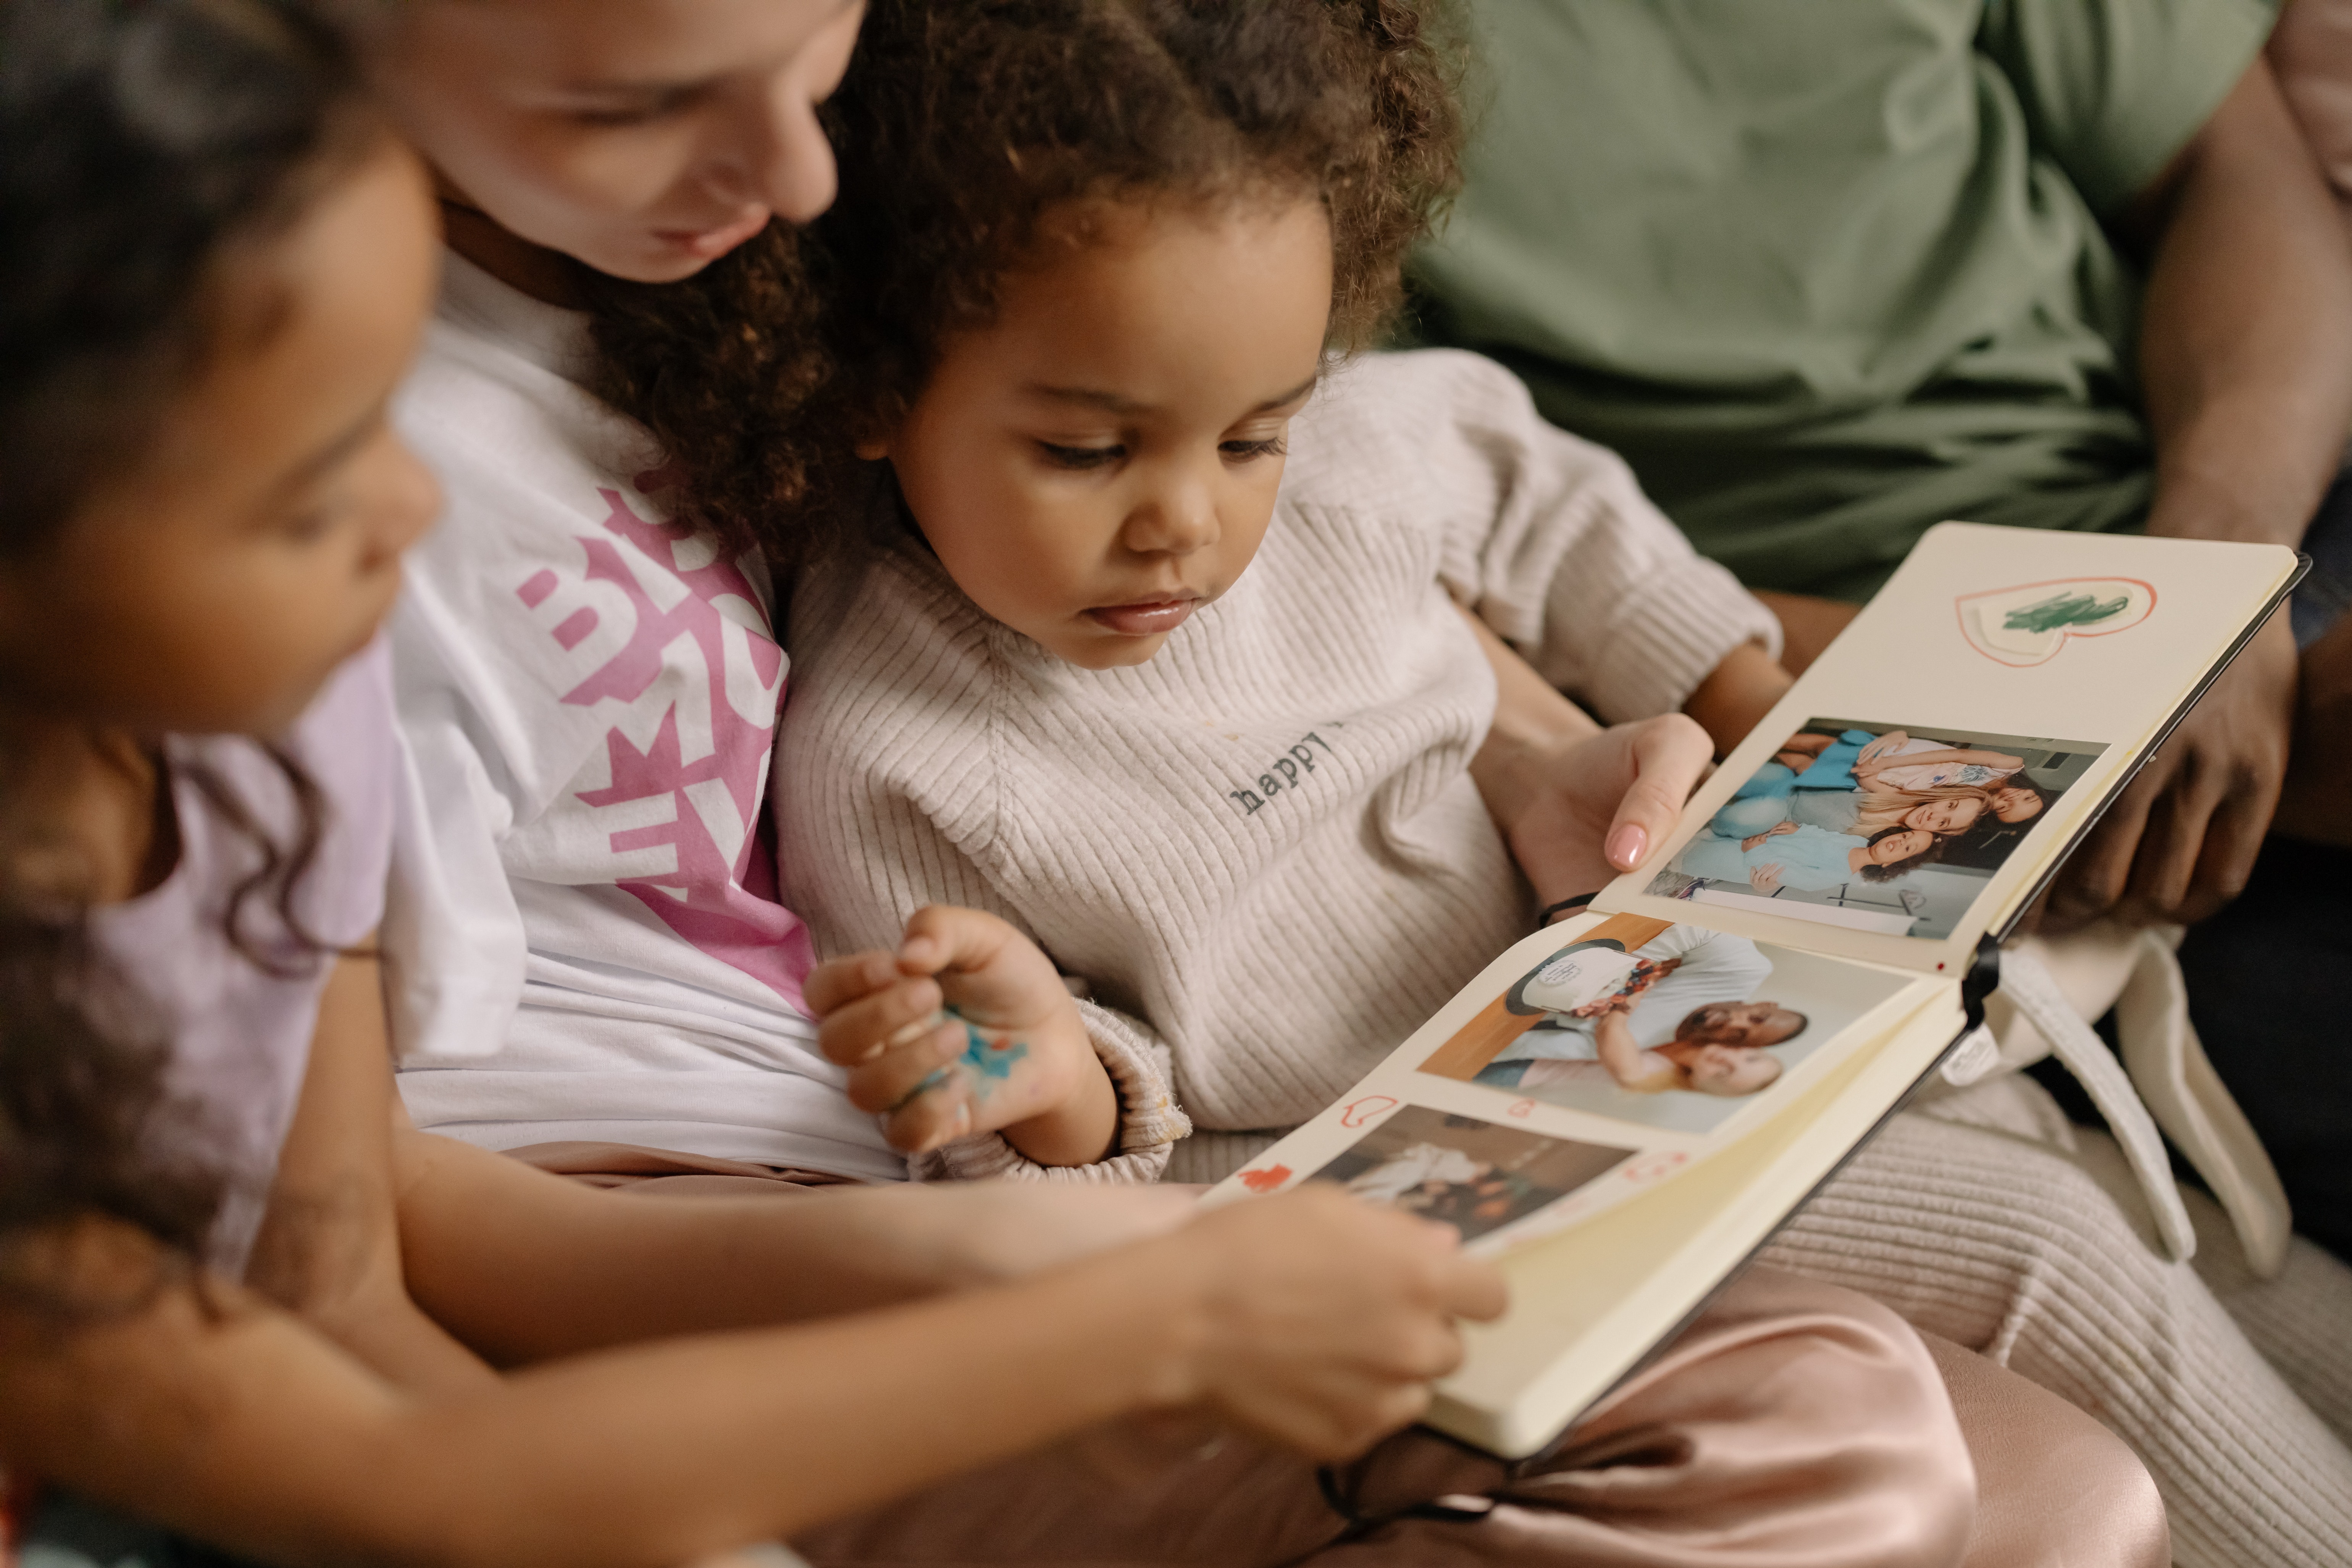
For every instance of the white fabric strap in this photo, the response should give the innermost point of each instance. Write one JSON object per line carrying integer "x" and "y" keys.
{"x": 2177, "y": 1082}
{"x": 2027, "y": 983}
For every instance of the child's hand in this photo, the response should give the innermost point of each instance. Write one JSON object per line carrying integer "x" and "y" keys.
{"x": 1012, "y": 1056}
{"x": 1316, "y": 1319}
{"x": 1766, "y": 879}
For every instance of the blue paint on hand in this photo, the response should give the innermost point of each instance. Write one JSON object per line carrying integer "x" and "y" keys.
{"x": 984, "y": 1058}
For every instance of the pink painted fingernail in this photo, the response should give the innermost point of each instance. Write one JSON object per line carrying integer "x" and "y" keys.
{"x": 1626, "y": 845}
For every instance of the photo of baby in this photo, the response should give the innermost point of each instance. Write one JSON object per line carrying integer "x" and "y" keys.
{"x": 1876, "y": 826}
{"x": 1473, "y": 1175}
{"x": 1669, "y": 1026}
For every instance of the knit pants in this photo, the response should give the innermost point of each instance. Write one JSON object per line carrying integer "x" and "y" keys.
{"x": 1986, "y": 1218}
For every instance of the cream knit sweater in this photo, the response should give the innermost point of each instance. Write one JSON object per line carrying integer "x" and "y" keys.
{"x": 1262, "y": 851}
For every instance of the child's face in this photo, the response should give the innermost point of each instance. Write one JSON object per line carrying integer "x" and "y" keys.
{"x": 1102, "y": 460}
{"x": 2015, "y": 803}
{"x": 1902, "y": 845}
{"x": 255, "y": 543}
{"x": 643, "y": 137}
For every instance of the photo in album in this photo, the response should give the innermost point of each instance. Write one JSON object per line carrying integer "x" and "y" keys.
{"x": 1876, "y": 826}
{"x": 1473, "y": 1175}
{"x": 1664, "y": 1026}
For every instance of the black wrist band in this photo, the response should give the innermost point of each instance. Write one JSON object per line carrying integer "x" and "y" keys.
{"x": 1563, "y": 907}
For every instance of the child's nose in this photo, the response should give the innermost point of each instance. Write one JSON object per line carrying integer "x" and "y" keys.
{"x": 1176, "y": 520}
{"x": 410, "y": 506}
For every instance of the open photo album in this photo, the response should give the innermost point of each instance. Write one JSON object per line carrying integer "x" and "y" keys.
{"x": 1623, "y": 1108}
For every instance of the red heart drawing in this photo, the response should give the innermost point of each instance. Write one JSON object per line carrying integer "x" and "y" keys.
{"x": 2028, "y": 624}
{"x": 1364, "y": 1110}
{"x": 1655, "y": 1166}
{"x": 1266, "y": 1181}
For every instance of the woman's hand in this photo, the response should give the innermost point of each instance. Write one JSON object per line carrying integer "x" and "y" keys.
{"x": 1012, "y": 1056}
{"x": 1314, "y": 1319}
{"x": 1578, "y": 813}
{"x": 1766, "y": 879}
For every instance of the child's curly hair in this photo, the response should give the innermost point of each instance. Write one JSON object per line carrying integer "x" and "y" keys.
{"x": 960, "y": 125}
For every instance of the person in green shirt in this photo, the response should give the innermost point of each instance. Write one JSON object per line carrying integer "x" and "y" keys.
{"x": 1828, "y": 273}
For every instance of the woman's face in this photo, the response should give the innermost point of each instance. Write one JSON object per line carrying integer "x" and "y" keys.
{"x": 1944, "y": 816}
{"x": 1896, "y": 846}
{"x": 646, "y": 138}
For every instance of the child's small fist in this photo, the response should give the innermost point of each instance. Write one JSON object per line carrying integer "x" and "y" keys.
{"x": 966, "y": 1029}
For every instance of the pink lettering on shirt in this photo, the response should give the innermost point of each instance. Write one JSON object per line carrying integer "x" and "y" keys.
{"x": 709, "y": 754}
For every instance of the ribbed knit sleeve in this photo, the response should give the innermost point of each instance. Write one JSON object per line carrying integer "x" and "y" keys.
{"x": 1150, "y": 1122}
{"x": 861, "y": 850}
{"x": 1547, "y": 537}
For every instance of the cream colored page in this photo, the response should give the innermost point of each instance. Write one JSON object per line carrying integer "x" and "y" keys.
{"x": 1587, "y": 1306}
{"x": 2062, "y": 652}
{"x": 1447, "y": 1126}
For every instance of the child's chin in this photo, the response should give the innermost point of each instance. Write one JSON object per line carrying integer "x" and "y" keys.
{"x": 1110, "y": 652}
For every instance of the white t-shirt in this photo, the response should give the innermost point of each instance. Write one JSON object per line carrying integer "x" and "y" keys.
{"x": 1935, "y": 776}
{"x": 585, "y": 929}
{"x": 1714, "y": 968}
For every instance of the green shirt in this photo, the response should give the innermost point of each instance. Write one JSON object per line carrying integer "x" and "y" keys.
{"x": 1829, "y": 271}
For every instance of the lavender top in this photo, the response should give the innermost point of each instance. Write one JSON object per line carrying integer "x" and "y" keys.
{"x": 239, "y": 1035}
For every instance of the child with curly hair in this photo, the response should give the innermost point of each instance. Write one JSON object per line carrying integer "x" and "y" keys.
{"x": 1139, "y": 624}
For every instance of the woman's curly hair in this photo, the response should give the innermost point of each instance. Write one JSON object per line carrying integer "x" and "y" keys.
{"x": 960, "y": 126}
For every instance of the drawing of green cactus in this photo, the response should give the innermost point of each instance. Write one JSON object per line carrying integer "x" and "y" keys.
{"x": 2063, "y": 609}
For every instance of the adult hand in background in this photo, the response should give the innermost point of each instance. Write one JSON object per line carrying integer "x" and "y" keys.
{"x": 2248, "y": 399}
{"x": 2180, "y": 842}
{"x": 1579, "y": 812}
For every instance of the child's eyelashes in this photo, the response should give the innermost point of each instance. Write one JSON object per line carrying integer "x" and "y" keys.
{"x": 1080, "y": 457}
{"x": 1063, "y": 455}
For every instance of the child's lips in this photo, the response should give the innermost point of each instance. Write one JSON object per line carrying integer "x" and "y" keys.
{"x": 1146, "y": 617}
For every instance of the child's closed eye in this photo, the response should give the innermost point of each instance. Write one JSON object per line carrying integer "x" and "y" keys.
{"x": 1249, "y": 451}
{"x": 1080, "y": 457}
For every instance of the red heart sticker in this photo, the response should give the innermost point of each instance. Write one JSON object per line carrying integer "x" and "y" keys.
{"x": 1266, "y": 1181}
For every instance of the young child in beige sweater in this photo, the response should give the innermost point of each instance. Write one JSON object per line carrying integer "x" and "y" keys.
{"x": 1147, "y": 639}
